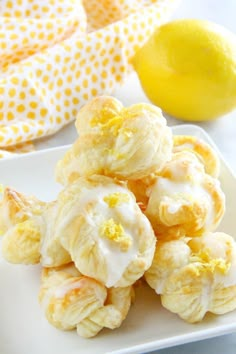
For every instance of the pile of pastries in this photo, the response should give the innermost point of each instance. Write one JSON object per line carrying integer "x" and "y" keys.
{"x": 136, "y": 203}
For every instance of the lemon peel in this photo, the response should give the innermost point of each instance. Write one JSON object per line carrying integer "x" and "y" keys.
{"x": 202, "y": 262}
{"x": 115, "y": 232}
{"x": 116, "y": 199}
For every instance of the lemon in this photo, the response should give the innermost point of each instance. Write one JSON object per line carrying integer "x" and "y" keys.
{"x": 188, "y": 68}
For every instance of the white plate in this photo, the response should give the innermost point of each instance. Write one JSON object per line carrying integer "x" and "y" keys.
{"x": 23, "y": 328}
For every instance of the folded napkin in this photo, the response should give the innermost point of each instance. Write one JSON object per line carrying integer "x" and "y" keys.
{"x": 58, "y": 54}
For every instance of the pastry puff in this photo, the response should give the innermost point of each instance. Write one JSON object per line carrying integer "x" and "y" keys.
{"x": 201, "y": 149}
{"x": 184, "y": 200}
{"x": 71, "y": 300}
{"x": 21, "y": 241}
{"x": 101, "y": 226}
{"x": 16, "y": 208}
{"x": 127, "y": 143}
{"x": 194, "y": 276}
{"x": 27, "y": 225}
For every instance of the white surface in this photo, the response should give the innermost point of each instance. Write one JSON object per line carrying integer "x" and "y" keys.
{"x": 147, "y": 327}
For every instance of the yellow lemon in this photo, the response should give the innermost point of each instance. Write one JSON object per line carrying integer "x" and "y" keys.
{"x": 188, "y": 68}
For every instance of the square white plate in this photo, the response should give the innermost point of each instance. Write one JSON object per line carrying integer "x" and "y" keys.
{"x": 23, "y": 327}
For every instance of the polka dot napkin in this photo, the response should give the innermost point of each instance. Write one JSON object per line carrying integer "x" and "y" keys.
{"x": 58, "y": 54}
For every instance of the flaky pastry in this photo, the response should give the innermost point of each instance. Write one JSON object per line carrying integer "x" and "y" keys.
{"x": 195, "y": 275}
{"x": 16, "y": 208}
{"x": 127, "y": 143}
{"x": 141, "y": 189}
{"x": 205, "y": 153}
{"x": 21, "y": 241}
{"x": 101, "y": 226}
{"x": 71, "y": 300}
{"x": 28, "y": 231}
{"x": 96, "y": 222}
{"x": 184, "y": 200}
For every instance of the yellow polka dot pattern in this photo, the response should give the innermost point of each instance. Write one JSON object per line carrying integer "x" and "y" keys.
{"x": 65, "y": 64}
{"x": 27, "y": 27}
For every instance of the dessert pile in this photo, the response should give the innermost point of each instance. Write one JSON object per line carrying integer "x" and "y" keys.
{"x": 136, "y": 203}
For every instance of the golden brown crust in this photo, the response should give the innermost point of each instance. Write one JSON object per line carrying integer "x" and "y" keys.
{"x": 20, "y": 227}
{"x": 16, "y": 208}
{"x": 205, "y": 153}
{"x": 28, "y": 231}
{"x": 141, "y": 188}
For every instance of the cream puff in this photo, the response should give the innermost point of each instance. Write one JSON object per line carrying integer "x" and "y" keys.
{"x": 16, "y": 208}
{"x": 71, "y": 300}
{"x": 205, "y": 153}
{"x": 195, "y": 275}
{"x": 28, "y": 231}
{"x": 101, "y": 226}
{"x": 184, "y": 200}
{"x": 19, "y": 227}
{"x": 95, "y": 222}
{"x": 126, "y": 143}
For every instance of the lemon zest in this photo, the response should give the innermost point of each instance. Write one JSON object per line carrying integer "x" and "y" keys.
{"x": 203, "y": 262}
{"x": 115, "y": 232}
{"x": 116, "y": 199}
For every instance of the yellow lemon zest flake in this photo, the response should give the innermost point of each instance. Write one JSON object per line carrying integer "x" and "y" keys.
{"x": 107, "y": 123}
{"x": 112, "y": 122}
{"x": 116, "y": 199}
{"x": 102, "y": 118}
{"x": 114, "y": 125}
{"x": 115, "y": 232}
{"x": 206, "y": 263}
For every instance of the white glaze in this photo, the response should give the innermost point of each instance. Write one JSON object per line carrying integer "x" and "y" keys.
{"x": 64, "y": 289}
{"x": 184, "y": 192}
{"x": 118, "y": 261}
{"x": 47, "y": 223}
{"x": 125, "y": 214}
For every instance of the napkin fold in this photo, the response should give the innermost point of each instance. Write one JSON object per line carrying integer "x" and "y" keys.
{"x": 58, "y": 54}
